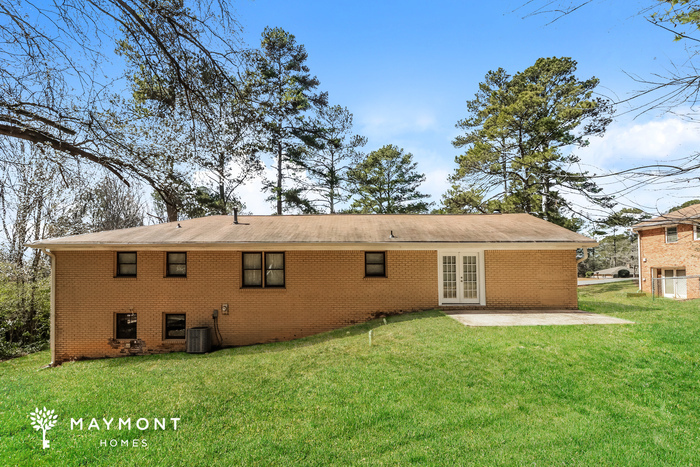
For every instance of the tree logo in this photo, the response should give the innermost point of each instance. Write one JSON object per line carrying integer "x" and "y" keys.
{"x": 43, "y": 420}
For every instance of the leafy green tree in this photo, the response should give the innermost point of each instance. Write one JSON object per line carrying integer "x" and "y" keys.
{"x": 685, "y": 205}
{"x": 285, "y": 94}
{"x": 516, "y": 137}
{"x": 387, "y": 182}
{"x": 328, "y": 164}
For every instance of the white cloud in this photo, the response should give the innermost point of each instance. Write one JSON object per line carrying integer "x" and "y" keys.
{"x": 629, "y": 145}
{"x": 624, "y": 145}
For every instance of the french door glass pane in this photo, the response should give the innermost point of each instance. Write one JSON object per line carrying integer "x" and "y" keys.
{"x": 449, "y": 277}
{"x": 469, "y": 276}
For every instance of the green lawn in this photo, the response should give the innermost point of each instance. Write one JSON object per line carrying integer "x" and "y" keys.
{"x": 429, "y": 391}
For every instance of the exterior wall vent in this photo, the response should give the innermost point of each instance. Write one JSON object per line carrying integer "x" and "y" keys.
{"x": 199, "y": 340}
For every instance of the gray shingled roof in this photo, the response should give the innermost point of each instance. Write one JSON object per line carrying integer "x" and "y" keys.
{"x": 337, "y": 228}
{"x": 687, "y": 215}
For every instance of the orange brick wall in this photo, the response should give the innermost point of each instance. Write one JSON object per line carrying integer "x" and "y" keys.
{"x": 685, "y": 253}
{"x": 531, "y": 279}
{"x": 324, "y": 290}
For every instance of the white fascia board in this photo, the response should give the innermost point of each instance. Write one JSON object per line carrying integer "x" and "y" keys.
{"x": 319, "y": 246}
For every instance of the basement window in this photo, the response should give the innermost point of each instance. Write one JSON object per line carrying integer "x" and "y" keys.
{"x": 126, "y": 326}
{"x": 177, "y": 265}
{"x": 175, "y": 326}
{"x": 375, "y": 264}
{"x": 126, "y": 264}
{"x": 671, "y": 234}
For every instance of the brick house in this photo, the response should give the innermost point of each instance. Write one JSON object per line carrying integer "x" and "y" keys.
{"x": 669, "y": 254}
{"x": 272, "y": 278}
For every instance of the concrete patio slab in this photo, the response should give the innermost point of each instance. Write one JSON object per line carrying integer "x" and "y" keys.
{"x": 533, "y": 318}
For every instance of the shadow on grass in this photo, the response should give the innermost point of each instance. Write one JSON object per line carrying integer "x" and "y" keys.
{"x": 337, "y": 334}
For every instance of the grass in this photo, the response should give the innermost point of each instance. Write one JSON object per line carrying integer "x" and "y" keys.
{"x": 429, "y": 391}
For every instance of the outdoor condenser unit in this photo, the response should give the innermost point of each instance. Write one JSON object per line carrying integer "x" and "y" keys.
{"x": 199, "y": 340}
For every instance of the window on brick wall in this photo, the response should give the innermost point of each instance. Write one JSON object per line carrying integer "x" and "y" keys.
{"x": 126, "y": 326}
{"x": 252, "y": 269}
{"x": 126, "y": 264}
{"x": 671, "y": 234}
{"x": 375, "y": 264}
{"x": 274, "y": 269}
{"x": 175, "y": 326}
{"x": 272, "y": 264}
{"x": 696, "y": 232}
{"x": 177, "y": 265}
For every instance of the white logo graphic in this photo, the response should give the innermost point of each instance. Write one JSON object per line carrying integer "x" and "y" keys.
{"x": 43, "y": 420}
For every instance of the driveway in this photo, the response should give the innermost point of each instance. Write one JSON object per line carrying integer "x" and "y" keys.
{"x": 533, "y": 318}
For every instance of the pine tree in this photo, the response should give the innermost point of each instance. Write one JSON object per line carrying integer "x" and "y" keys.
{"x": 284, "y": 89}
{"x": 387, "y": 182}
{"x": 517, "y": 134}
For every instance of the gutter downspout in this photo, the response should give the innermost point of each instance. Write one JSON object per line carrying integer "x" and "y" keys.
{"x": 639, "y": 259}
{"x": 52, "y": 329}
{"x": 585, "y": 256}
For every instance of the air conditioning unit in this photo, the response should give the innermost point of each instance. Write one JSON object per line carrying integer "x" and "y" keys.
{"x": 199, "y": 340}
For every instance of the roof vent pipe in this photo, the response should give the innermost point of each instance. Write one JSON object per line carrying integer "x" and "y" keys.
{"x": 235, "y": 215}
{"x": 178, "y": 226}
{"x": 391, "y": 234}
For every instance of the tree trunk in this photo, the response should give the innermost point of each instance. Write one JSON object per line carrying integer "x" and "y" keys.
{"x": 279, "y": 179}
{"x": 224, "y": 210}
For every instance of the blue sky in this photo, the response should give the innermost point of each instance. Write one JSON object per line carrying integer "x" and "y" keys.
{"x": 405, "y": 70}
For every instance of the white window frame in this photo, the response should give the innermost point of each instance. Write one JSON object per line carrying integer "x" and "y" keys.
{"x": 481, "y": 277}
{"x": 696, "y": 232}
{"x": 666, "y": 233}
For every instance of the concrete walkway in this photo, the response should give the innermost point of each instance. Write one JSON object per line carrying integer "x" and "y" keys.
{"x": 533, "y": 318}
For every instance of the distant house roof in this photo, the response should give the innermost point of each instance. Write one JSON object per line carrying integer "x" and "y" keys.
{"x": 317, "y": 230}
{"x": 687, "y": 215}
{"x": 612, "y": 271}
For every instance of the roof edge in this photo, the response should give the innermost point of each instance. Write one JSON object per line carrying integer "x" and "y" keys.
{"x": 248, "y": 246}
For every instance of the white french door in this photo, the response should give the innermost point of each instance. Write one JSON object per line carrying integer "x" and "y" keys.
{"x": 461, "y": 276}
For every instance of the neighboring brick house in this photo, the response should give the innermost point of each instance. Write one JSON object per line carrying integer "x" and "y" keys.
{"x": 135, "y": 291}
{"x": 669, "y": 254}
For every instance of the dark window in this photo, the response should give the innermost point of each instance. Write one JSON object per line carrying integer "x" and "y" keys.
{"x": 126, "y": 264}
{"x": 375, "y": 264}
{"x": 126, "y": 325}
{"x": 274, "y": 269}
{"x": 175, "y": 326}
{"x": 177, "y": 265}
{"x": 671, "y": 234}
{"x": 252, "y": 269}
